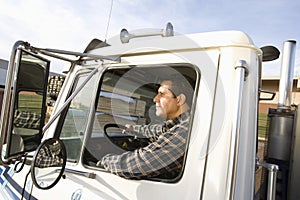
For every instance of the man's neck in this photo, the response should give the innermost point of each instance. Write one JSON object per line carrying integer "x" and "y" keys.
{"x": 185, "y": 107}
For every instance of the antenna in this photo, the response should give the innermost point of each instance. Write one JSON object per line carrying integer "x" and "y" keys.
{"x": 108, "y": 21}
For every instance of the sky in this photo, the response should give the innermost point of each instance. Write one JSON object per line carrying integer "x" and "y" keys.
{"x": 72, "y": 24}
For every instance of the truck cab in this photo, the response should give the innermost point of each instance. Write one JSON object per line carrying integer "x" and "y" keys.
{"x": 111, "y": 85}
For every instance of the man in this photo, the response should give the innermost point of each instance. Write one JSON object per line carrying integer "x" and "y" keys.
{"x": 164, "y": 156}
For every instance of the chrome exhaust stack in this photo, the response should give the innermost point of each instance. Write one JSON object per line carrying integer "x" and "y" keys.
{"x": 281, "y": 124}
{"x": 286, "y": 75}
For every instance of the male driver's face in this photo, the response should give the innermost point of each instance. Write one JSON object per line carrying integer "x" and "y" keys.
{"x": 166, "y": 104}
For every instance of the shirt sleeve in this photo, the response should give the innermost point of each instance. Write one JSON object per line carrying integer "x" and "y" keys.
{"x": 163, "y": 155}
{"x": 149, "y": 131}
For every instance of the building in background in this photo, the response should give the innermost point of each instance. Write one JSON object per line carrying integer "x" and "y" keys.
{"x": 271, "y": 83}
{"x": 3, "y": 70}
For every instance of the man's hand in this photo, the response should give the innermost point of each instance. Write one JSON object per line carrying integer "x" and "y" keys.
{"x": 99, "y": 164}
{"x": 128, "y": 130}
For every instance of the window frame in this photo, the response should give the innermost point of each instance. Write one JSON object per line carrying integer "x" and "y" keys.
{"x": 192, "y": 110}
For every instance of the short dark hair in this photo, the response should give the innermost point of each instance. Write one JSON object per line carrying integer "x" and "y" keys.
{"x": 182, "y": 85}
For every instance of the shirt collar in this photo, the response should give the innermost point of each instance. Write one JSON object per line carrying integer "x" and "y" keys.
{"x": 171, "y": 122}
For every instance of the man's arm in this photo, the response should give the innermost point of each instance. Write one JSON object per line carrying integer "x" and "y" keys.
{"x": 148, "y": 131}
{"x": 162, "y": 156}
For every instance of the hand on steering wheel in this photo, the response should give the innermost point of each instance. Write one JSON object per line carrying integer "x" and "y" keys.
{"x": 128, "y": 129}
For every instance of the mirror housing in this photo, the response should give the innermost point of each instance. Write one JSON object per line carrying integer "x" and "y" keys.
{"x": 270, "y": 53}
{"x": 48, "y": 163}
{"x": 24, "y": 106}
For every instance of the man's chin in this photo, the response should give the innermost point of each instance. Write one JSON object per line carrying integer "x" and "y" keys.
{"x": 160, "y": 114}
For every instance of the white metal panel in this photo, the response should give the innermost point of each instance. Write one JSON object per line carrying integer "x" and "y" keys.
{"x": 217, "y": 169}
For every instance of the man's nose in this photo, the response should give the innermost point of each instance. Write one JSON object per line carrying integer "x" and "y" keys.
{"x": 156, "y": 99}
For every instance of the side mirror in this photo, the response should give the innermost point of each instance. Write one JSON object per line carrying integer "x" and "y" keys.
{"x": 270, "y": 53}
{"x": 48, "y": 163}
{"x": 26, "y": 110}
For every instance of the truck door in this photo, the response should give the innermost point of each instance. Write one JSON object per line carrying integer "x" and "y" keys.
{"x": 124, "y": 95}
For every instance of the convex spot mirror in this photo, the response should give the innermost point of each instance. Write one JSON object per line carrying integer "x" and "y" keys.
{"x": 48, "y": 163}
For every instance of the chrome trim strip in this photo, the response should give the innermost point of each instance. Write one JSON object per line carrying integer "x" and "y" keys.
{"x": 241, "y": 71}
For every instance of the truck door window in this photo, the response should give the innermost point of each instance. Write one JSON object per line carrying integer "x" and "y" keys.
{"x": 125, "y": 97}
{"x": 76, "y": 118}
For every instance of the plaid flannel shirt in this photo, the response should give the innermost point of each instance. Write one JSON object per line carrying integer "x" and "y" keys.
{"x": 163, "y": 156}
{"x": 48, "y": 157}
{"x": 25, "y": 119}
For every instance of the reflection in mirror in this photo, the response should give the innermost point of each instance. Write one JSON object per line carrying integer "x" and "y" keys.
{"x": 49, "y": 163}
{"x": 30, "y": 90}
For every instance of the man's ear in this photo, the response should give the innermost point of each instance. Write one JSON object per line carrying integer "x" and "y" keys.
{"x": 181, "y": 99}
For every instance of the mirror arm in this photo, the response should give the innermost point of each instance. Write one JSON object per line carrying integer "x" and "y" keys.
{"x": 85, "y": 174}
{"x": 47, "y": 53}
{"x": 7, "y": 94}
{"x": 68, "y": 100}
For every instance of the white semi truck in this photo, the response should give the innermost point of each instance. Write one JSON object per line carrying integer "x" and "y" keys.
{"x": 113, "y": 84}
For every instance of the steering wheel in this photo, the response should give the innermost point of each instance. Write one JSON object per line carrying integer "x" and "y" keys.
{"x": 124, "y": 141}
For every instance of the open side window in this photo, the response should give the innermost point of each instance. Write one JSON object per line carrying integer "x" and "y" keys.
{"x": 25, "y": 111}
{"x": 125, "y": 96}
